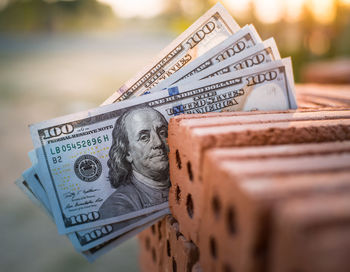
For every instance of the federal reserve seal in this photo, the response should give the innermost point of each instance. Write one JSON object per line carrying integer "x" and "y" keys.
{"x": 88, "y": 168}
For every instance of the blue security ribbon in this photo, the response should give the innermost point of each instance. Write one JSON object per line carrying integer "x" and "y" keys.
{"x": 173, "y": 90}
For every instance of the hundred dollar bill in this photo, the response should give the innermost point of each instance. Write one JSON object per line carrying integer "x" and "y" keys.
{"x": 265, "y": 87}
{"x": 209, "y": 30}
{"x": 24, "y": 186}
{"x": 110, "y": 164}
{"x": 33, "y": 183}
{"x": 233, "y": 46}
{"x": 94, "y": 252}
{"x": 261, "y": 53}
{"x": 90, "y": 238}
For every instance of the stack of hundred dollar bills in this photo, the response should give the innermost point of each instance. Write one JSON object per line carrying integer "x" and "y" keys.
{"x": 103, "y": 175}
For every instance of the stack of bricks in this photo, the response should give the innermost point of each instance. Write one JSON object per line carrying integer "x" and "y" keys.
{"x": 164, "y": 248}
{"x": 258, "y": 191}
{"x": 321, "y": 96}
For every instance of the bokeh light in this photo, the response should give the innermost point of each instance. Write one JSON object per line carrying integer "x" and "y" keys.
{"x": 318, "y": 42}
{"x": 323, "y": 10}
{"x": 135, "y": 8}
{"x": 191, "y": 8}
{"x": 293, "y": 10}
{"x": 269, "y": 11}
{"x": 239, "y": 8}
{"x": 345, "y": 2}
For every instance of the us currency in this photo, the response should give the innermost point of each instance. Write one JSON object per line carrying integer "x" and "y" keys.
{"x": 96, "y": 252}
{"x": 92, "y": 253}
{"x": 33, "y": 183}
{"x": 83, "y": 152}
{"x": 261, "y": 53}
{"x": 265, "y": 87}
{"x": 92, "y": 238}
{"x": 24, "y": 186}
{"x": 233, "y": 46}
{"x": 209, "y": 30}
{"x": 85, "y": 240}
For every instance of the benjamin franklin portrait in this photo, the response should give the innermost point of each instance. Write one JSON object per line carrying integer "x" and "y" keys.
{"x": 138, "y": 162}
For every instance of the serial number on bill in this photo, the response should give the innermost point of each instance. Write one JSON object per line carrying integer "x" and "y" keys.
{"x": 78, "y": 145}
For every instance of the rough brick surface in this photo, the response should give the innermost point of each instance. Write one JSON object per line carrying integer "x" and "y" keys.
{"x": 320, "y": 96}
{"x": 152, "y": 247}
{"x": 268, "y": 134}
{"x": 181, "y": 254}
{"x": 290, "y": 150}
{"x": 164, "y": 248}
{"x": 330, "y": 71}
{"x": 311, "y": 101}
{"x": 312, "y": 235}
{"x": 189, "y": 138}
{"x": 197, "y": 267}
{"x": 234, "y": 230}
{"x": 194, "y": 135}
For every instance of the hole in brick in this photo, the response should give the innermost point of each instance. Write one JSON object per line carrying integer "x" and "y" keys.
{"x": 231, "y": 220}
{"x": 168, "y": 249}
{"x": 216, "y": 205}
{"x": 178, "y": 194}
{"x": 147, "y": 243}
{"x": 212, "y": 247}
{"x": 227, "y": 268}
{"x": 178, "y": 234}
{"x": 189, "y": 171}
{"x": 160, "y": 230}
{"x": 178, "y": 159}
{"x": 259, "y": 249}
{"x": 154, "y": 257}
{"x": 153, "y": 228}
{"x": 189, "y": 205}
{"x": 174, "y": 265}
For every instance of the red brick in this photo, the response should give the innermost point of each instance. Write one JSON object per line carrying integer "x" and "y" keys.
{"x": 197, "y": 267}
{"x": 234, "y": 229}
{"x": 164, "y": 248}
{"x": 145, "y": 253}
{"x": 152, "y": 247}
{"x": 319, "y": 101}
{"x": 190, "y": 130}
{"x": 312, "y": 235}
{"x": 267, "y": 134}
{"x": 340, "y": 92}
{"x": 321, "y": 95}
{"x": 146, "y": 263}
{"x": 330, "y": 71}
{"x": 181, "y": 254}
{"x": 290, "y": 150}
{"x": 307, "y": 103}
{"x": 189, "y": 138}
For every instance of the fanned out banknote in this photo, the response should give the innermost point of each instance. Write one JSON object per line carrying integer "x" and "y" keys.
{"x": 83, "y": 240}
{"x": 263, "y": 52}
{"x": 90, "y": 247}
{"x": 209, "y": 30}
{"x": 92, "y": 253}
{"x": 103, "y": 175}
{"x": 233, "y": 46}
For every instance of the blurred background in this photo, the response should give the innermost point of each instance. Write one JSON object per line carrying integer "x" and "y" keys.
{"x": 59, "y": 57}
